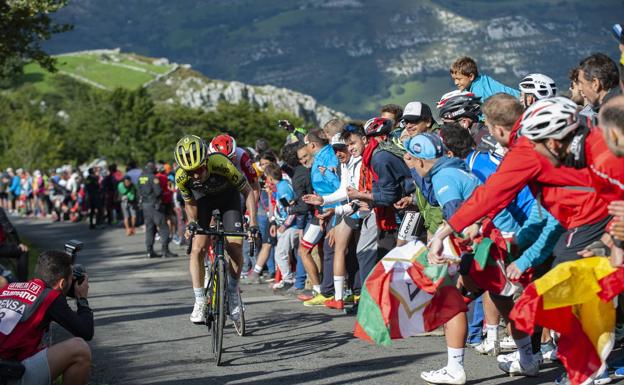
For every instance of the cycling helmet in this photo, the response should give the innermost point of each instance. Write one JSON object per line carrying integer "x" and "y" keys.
{"x": 378, "y": 126}
{"x": 190, "y": 152}
{"x": 538, "y": 85}
{"x": 455, "y": 105}
{"x": 224, "y": 144}
{"x": 549, "y": 118}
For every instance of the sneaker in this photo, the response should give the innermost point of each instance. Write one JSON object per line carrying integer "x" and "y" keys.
{"x": 507, "y": 343}
{"x": 352, "y": 298}
{"x": 515, "y": 356}
{"x": 176, "y": 239}
{"x": 282, "y": 286}
{"x": 306, "y": 295}
{"x": 602, "y": 378}
{"x": 619, "y": 373}
{"x": 318, "y": 300}
{"x": 515, "y": 369}
{"x": 270, "y": 277}
{"x": 473, "y": 344}
{"x": 488, "y": 347}
{"x": 198, "y": 316}
{"x": 549, "y": 351}
{"x": 254, "y": 279}
{"x": 234, "y": 307}
{"x": 334, "y": 304}
{"x": 444, "y": 376}
{"x": 157, "y": 237}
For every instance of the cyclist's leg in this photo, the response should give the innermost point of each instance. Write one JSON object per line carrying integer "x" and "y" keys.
{"x": 230, "y": 207}
{"x": 196, "y": 260}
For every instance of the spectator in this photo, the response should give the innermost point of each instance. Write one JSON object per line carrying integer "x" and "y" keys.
{"x": 283, "y": 228}
{"x": 128, "y": 192}
{"x": 467, "y": 78}
{"x": 598, "y": 79}
{"x": 133, "y": 171}
{"x": 70, "y": 358}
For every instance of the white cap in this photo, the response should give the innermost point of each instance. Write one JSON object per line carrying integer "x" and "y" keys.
{"x": 336, "y": 140}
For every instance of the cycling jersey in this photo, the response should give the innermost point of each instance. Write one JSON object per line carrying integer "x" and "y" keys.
{"x": 242, "y": 161}
{"x": 222, "y": 175}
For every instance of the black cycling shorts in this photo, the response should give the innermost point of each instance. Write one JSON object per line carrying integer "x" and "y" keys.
{"x": 228, "y": 203}
{"x": 577, "y": 239}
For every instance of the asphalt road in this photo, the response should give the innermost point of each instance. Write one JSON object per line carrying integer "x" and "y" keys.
{"x": 143, "y": 334}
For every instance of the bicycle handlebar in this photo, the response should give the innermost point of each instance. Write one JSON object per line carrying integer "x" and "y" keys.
{"x": 201, "y": 231}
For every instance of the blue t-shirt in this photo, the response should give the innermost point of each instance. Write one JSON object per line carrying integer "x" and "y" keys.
{"x": 283, "y": 190}
{"x": 327, "y": 181}
{"x": 484, "y": 86}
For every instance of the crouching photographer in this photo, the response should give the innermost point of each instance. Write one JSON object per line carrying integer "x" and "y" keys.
{"x": 26, "y": 311}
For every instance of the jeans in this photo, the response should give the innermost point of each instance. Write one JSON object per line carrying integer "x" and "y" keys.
{"x": 475, "y": 326}
{"x": 300, "y": 274}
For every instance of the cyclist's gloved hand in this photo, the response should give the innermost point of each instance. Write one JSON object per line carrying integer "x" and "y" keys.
{"x": 253, "y": 231}
{"x": 191, "y": 228}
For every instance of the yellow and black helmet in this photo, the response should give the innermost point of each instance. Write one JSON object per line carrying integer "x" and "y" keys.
{"x": 190, "y": 152}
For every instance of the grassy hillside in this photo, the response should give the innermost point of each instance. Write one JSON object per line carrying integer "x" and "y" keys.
{"x": 105, "y": 71}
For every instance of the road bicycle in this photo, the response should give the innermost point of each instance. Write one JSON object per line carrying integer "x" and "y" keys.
{"x": 216, "y": 285}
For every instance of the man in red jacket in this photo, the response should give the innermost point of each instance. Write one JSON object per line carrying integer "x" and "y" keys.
{"x": 536, "y": 159}
{"x": 28, "y": 308}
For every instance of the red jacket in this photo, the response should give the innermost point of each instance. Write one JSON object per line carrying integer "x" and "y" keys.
{"x": 384, "y": 215}
{"x": 565, "y": 192}
{"x": 167, "y": 194}
{"x": 606, "y": 169}
{"x": 24, "y": 305}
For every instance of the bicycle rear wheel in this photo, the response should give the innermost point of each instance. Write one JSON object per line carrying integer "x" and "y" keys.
{"x": 218, "y": 310}
{"x": 239, "y": 325}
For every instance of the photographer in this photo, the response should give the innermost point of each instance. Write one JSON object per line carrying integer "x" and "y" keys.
{"x": 28, "y": 308}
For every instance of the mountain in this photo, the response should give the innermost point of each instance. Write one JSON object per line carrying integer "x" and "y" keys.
{"x": 172, "y": 83}
{"x": 352, "y": 55}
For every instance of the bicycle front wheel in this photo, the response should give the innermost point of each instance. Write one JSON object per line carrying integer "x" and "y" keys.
{"x": 219, "y": 312}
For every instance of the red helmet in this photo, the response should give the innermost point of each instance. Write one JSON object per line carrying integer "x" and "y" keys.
{"x": 224, "y": 144}
{"x": 378, "y": 126}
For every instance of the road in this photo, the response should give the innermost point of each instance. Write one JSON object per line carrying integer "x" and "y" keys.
{"x": 143, "y": 335}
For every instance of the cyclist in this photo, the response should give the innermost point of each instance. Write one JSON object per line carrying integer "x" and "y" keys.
{"x": 226, "y": 145}
{"x": 207, "y": 183}
{"x": 535, "y": 87}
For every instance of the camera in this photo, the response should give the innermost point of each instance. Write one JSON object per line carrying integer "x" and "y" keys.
{"x": 285, "y": 124}
{"x": 79, "y": 271}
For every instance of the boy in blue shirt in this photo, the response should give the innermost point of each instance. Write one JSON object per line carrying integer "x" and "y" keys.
{"x": 466, "y": 77}
{"x": 284, "y": 229}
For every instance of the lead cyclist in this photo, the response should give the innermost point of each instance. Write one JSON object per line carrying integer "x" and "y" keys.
{"x": 208, "y": 183}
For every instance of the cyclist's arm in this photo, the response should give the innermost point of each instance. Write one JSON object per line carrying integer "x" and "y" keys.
{"x": 190, "y": 206}
{"x": 251, "y": 204}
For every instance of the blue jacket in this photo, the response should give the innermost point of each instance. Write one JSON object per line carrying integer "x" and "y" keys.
{"x": 537, "y": 237}
{"x": 326, "y": 182}
{"x": 394, "y": 179}
{"x": 483, "y": 165}
{"x": 283, "y": 190}
{"x": 484, "y": 86}
{"x": 16, "y": 185}
{"x": 452, "y": 183}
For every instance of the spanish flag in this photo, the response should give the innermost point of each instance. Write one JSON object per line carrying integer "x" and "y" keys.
{"x": 576, "y": 300}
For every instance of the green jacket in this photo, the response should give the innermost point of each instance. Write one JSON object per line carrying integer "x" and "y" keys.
{"x": 129, "y": 193}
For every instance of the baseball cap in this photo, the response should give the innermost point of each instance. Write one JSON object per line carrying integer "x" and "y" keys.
{"x": 424, "y": 146}
{"x": 336, "y": 141}
{"x": 415, "y": 111}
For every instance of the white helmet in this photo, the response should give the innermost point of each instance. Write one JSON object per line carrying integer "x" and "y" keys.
{"x": 549, "y": 118}
{"x": 449, "y": 95}
{"x": 538, "y": 85}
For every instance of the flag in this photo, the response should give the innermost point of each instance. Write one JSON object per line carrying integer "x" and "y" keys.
{"x": 575, "y": 300}
{"x": 490, "y": 256}
{"x": 404, "y": 295}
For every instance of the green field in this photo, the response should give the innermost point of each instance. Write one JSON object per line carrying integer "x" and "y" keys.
{"x": 99, "y": 69}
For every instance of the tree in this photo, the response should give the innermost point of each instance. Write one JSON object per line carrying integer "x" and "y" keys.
{"x": 24, "y": 25}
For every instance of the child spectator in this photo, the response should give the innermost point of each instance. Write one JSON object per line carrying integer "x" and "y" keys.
{"x": 467, "y": 78}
